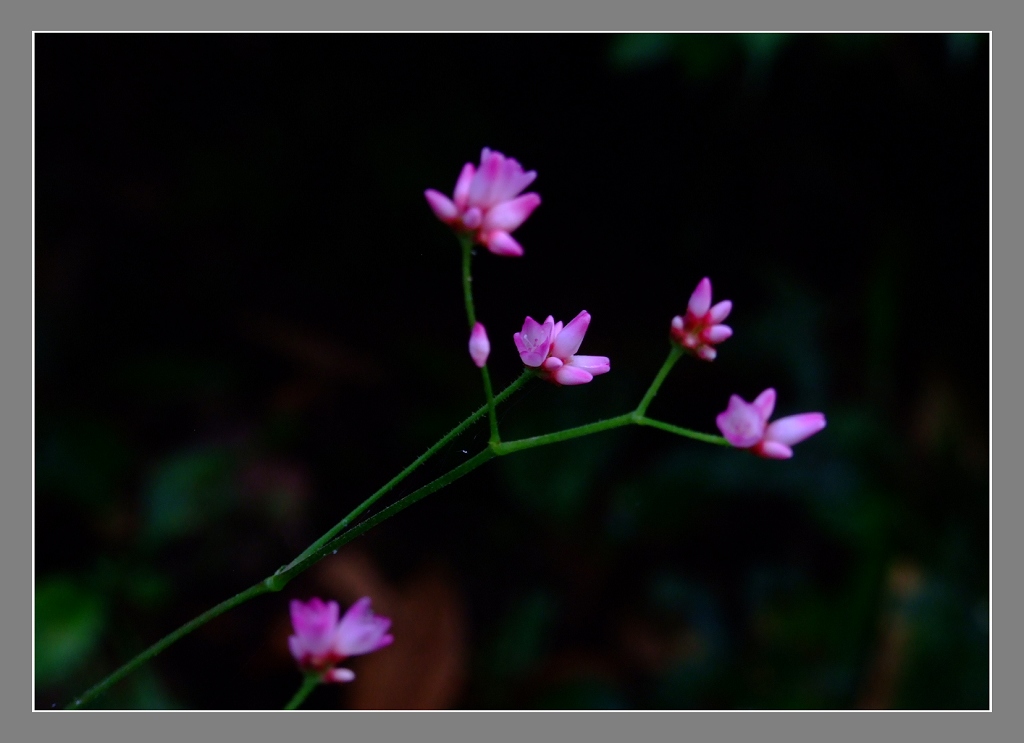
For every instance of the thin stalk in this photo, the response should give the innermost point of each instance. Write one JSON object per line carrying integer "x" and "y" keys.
{"x": 152, "y": 650}
{"x": 680, "y": 431}
{"x": 467, "y": 294}
{"x": 673, "y": 356}
{"x": 310, "y": 682}
{"x": 383, "y": 515}
{"x": 332, "y": 540}
{"x": 345, "y": 522}
{"x": 509, "y": 447}
{"x": 320, "y": 547}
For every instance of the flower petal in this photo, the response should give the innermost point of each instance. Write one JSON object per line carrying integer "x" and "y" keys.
{"x": 502, "y": 243}
{"x": 339, "y": 676}
{"x": 482, "y": 185}
{"x": 593, "y": 364}
{"x": 534, "y": 341}
{"x": 479, "y": 345}
{"x": 794, "y": 428}
{"x": 569, "y": 339}
{"x": 765, "y": 404}
{"x": 719, "y": 312}
{"x": 700, "y": 300}
{"x": 773, "y": 450}
{"x": 443, "y": 207}
{"x": 506, "y": 216}
{"x": 461, "y": 195}
{"x": 571, "y": 375}
{"x": 741, "y": 423}
{"x": 717, "y": 333}
{"x": 472, "y": 218}
{"x": 361, "y": 631}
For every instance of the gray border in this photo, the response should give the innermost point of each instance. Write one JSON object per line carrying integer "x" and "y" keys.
{"x": 15, "y": 400}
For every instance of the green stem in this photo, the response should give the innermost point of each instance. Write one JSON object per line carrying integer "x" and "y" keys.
{"x": 680, "y": 431}
{"x": 383, "y": 515}
{"x": 152, "y": 650}
{"x": 466, "y": 242}
{"x": 310, "y": 682}
{"x": 345, "y": 522}
{"x": 570, "y": 433}
{"x": 467, "y": 279}
{"x": 331, "y": 541}
{"x": 673, "y": 356}
{"x": 320, "y": 547}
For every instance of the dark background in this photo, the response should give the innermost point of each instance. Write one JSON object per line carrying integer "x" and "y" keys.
{"x": 247, "y": 319}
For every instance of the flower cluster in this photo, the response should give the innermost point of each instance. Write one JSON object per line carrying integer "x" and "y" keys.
{"x": 701, "y": 327}
{"x": 745, "y": 425}
{"x": 321, "y": 641}
{"x": 551, "y": 349}
{"x": 486, "y": 203}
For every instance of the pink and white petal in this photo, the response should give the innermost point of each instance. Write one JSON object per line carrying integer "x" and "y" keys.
{"x": 765, "y": 404}
{"x": 479, "y": 345}
{"x": 501, "y": 188}
{"x": 677, "y": 323}
{"x": 339, "y": 676}
{"x": 719, "y": 312}
{"x": 532, "y": 358}
{"x": 740, "y": 423}
{"x": 473, "y": 218}
{"x": 707, "y": 353}
{"x": 521, "y": 180}
{"x": 502, "y": 243}
{"x": 593, "y": 364}
{"x": 700, "y": 300}
{"x": 717, "y": 333}
{"x": 534, "y": 342}
{"x": 551, "y": 363}
{"x": 535, "y": 333}
{"x": 773, "y": 450}
{"x": 461, "y": 195}
{"x": 506, "y": 216}
{"x": 482, "y": 185}
{"x": 571, "y": 375}
{"x": 794, "y": 428}
{"x": 360, "y": 630}
{"x": 443, "y": 207}
{"x": 571, "y": 336}
{"x": 297, "y": 648}
{"x": 314, "y": 618}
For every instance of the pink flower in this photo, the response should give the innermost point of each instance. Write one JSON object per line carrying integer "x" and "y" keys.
{"x": 553, "y": 349}
{"x": 486, "y": 202}
{"x": 745, "y": 426}
{"x": 479, "y": 345}
{"x": 701, "y": 328}
{"x": 321, "y": 641}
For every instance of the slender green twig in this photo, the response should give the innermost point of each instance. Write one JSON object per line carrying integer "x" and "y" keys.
{"x": 680, "y": 431}
{"x": 466, "y": 242}
{"x": 345, "y": 522}
{"x": 509, "y": 447}
{"x": 152, "y": 650}
{"x": 320, "y": 547}
{"x": 341, "y": 533}
{"x": 309, "y": 682}
{"x": 673, "y": 356}
{"x": 384, "y": 514}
